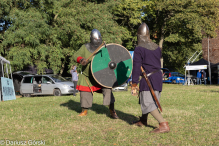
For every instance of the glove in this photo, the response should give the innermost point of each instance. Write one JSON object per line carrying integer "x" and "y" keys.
{"x": 83, "y": 61}
{"x": 134, "y": 89}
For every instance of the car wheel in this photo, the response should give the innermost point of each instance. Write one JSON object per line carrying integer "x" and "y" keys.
{"x": 174, "y": 81}
{"x": 57, "y": 92}
{"x": 26, "y": 95}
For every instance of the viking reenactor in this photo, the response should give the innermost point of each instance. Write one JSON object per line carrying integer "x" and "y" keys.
{"x": 86, "y": 83}
{"x": 146, "y": 63}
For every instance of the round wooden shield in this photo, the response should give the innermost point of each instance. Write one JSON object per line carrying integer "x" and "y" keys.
{"x": 112, "y": 65}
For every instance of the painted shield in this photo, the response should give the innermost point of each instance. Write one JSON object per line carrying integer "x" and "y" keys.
{"x": 112, "y": 65}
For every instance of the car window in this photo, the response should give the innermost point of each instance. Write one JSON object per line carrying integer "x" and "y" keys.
{"x": 28, "y": 80}
{"x": 57, "y": 78}
{"x": 37, "y": 79}
{"x": 181, "y": 75}
{"x": 46, "y": 79}
{"x": 15, "y": 76}
{"x": 173, "y": 74}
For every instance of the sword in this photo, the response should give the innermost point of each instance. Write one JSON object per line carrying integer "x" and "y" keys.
{"x": 150, "y": 87}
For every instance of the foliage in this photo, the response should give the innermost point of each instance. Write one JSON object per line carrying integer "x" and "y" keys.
{"x": 46, "y": 33}
{"x": 128, "y": 14}
{"x": 180, "y": 25}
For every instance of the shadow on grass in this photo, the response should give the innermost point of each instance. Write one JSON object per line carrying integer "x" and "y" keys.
{"x": 207, "y": 91}
{"x": 213, "y": 91}
{"x": 101, "y": 109}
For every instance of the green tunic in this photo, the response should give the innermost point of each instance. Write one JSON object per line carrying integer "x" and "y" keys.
{"x": 86, "y": 77}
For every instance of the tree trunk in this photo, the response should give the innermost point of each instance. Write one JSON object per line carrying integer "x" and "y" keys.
{"x": 161, "y": 46}
{"x": 161, "y": 41}
{"x": 63, "y": 67}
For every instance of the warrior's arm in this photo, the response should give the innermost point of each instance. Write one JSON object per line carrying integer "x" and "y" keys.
{"x": 79, "y": 54}
{"x": 137, "y": 63}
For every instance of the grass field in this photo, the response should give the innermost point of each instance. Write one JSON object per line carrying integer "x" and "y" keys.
{"x": 192, "y": 113}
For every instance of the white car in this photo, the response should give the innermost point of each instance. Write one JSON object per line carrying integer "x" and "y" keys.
{"x": 45, "y": 85}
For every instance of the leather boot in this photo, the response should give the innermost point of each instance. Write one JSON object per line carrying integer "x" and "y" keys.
{"x": 113, "y": 114}
{"x": 163, "y": 128}
{"x": 141, "y": 122}
{"x": 112, "y": 111}
{"x": 83, "y": 113}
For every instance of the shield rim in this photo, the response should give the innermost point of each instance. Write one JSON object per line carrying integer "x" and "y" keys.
{"x": 92, "y": 64}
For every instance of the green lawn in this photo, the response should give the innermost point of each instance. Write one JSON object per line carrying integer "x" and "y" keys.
{"x": 192, "y": 113}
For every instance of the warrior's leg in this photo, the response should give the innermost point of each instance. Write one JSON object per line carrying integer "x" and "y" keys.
{"x": 156, "y": 114}
{"x": 143, "y": 119}
{"x": 163, "y": 125}
{"x": 148, "y": 106}
{"x": 109, "y": 99}
{"x": 86, "y": 99}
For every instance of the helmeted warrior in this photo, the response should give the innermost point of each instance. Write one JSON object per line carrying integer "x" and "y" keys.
{"x": 148, "y": 54}
{"x": 86, "y": 83}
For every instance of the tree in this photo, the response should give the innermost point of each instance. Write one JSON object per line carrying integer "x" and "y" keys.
{"x": 128, "y": 14}
{"x": 46, "y": 33}
{"x": 179, "y": 26}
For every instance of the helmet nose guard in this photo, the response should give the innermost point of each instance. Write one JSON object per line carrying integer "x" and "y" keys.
{"x": 95, "y": 39}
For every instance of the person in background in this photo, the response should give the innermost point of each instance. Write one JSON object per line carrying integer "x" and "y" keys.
{"x": 199, "y": 75}
{"x": 74, "y": 74}
{"x": 204, "y": 76}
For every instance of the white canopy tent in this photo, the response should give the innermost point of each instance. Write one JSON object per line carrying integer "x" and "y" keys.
{"x": 192, "y": 67}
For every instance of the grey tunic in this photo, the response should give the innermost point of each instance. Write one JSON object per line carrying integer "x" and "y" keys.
{"x": 147, "y": 101}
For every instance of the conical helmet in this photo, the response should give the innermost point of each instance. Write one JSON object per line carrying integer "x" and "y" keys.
{"x": 143, "y": 33}
{"x": 95, "y": 39}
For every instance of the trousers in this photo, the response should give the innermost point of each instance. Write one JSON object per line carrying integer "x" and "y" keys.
{"x": 86, "y": 98}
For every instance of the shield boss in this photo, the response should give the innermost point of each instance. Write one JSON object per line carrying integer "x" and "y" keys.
{"x": 112, "y": 65}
